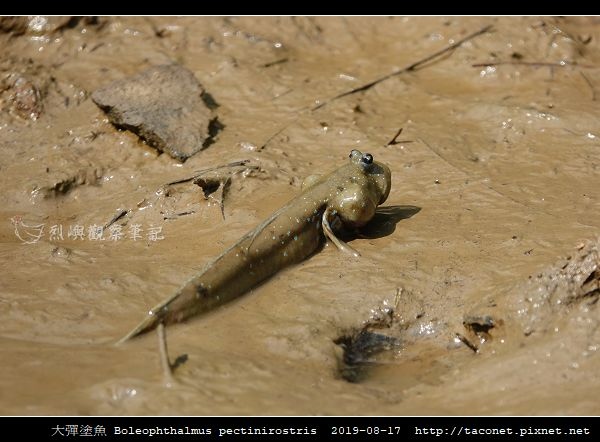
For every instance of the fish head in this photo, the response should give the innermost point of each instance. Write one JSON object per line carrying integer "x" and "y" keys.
{"x": 378, "y": 174}
{"x": 361, "y": 185}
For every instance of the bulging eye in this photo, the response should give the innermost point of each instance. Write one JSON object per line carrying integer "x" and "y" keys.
{"x": 367, "y": 158}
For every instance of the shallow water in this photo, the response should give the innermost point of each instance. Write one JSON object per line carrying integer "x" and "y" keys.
{"x": 495, "y": 172}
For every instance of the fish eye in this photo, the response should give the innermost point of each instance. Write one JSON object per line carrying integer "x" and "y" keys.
{"x": 367, "y": 158}
{"x": 352, "y": 153}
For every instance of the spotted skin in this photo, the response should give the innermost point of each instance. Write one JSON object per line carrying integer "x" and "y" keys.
{"x": 348, "y": 195}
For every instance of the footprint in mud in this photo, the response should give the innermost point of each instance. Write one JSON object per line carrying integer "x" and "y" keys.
{"x": 370, "y": 352}
{"x": 359, "y": 351}
{"x": 361, "y": 346}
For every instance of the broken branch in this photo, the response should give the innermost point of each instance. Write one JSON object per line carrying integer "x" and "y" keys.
{"x": 411, "y": 67}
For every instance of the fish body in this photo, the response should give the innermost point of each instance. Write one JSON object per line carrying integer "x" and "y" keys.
{"x": 349, "y": 195}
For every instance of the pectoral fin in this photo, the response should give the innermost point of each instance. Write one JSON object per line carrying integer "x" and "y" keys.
{"x": 341, "y": 245}
{"x": 310, "y": 181}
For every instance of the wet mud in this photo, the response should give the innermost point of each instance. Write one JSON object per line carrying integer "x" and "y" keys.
{"x": 477, "y": 287}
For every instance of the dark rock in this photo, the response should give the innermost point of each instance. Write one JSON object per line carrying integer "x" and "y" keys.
{"x": 166, "y": 106}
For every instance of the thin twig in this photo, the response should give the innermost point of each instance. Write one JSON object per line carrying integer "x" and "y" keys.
{"x": 198, "y": 173}
{"x": 589, "y": 82}
{"x": 272, "y": 137}
{"x": 120, "y": 214}
{"x": 411, "y": 67}
{"x": 533, "y": 64}
{"x": 273, "y": 63}
{"x": 393, "y": 140}
{"x": 177, "y": 215}
{"x": 468, "y": 343}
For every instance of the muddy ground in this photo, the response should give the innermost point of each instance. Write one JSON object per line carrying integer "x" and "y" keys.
{"x": 481, "y": 271}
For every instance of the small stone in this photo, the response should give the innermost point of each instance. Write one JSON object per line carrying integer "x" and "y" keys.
{"x": 164, "y": 105}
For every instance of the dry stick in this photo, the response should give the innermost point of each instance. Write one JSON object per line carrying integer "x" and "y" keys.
{"x": 589, "y": 82}
{"x": 273, "y": 63}
{"x": 198, "y": 173}
{"x": 468, "y": 343}
{"x": 395, "y": 141}
{"x": 272, "y": 137}
{"x": 364, "y": 87}
{"x": 410, "y": 67}
{"x": 533, "y": 64}
{"x": 167, "y": 368}
{"x": 177, "y": 215}
{"x": 120, "y": 214}
{"x": 394, "y": 138}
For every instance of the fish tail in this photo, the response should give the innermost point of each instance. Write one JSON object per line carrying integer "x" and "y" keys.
{"x": 147, "y": 324}
{"x": 181, "y": 305}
